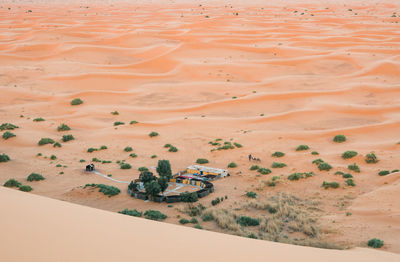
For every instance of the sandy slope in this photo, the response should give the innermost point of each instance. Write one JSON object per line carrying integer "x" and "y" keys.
{"x": 269, "y": 76}
{"x": 59, "y": 231}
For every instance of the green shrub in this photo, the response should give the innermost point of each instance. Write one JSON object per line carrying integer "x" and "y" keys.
{"x": 251, "y": 194}
{"x": 125, "y": 166}
{"x": 7, "y": 126}
{"x": 264, "y": 171}
{"x": 103, "y": 147}
{"x": 76, "y": 101}
{"x": 153, "y": 156}
{"x": 395, "y": 170}
{"x": 63, "y": 127}
{"x": 12, "y": 183}
{"x": 198, "y": 226}
{"x": 252, "y": 235}
{"x": 314, "y": 153}
{"x": 56, "y": 144}
{"x": 133, "y": 155}
{"x": 25, "y": 188}
{"x": 53, "y": 157}
{"x": 173, "y": 149}
{"x": 202, "y": 161}
{"x": 105, "y": 189}
{"x": 118, "y": 123}
{"x": 66, "y": 138}
{"x": 207, "y": 217}
{"x": 4, "y": 158}
{"x": 114, "y": 113}
{"x": 232, "y": 165}
{"x": 35, "y": 177}
{"x": 8, "y": 135}
{"x": 133, "y": 122}
{"x": 295, "y": 176}
{"x": 82, "y": 160}
{"x": 215, "y": 201}
{"x": 189, "y": 197}
{"x": 339, "y": 173}
{"x": 58, "y": 165}
{"x": 384, "y": 172}
{"x": 152, "y": 134}
{"x": 349, "y": 154}
{"x": 354, "y": 167}
{"x": 45, "y": 141}
{"x": 154, "y": 215}
{"x": 167, "y": 145}
{"x": 324, "y": 166}
{"x": 237, "y": 145}
{"x": 248, "y": 221}
{"x": 278, "y": 154}
{"x": 278, "y": 165}
{"x": 350, "y": 182}
{"x": 39, "y": 119}
{"x": 339, "y": 138}
{"x": 133, "y": 212}
{"x": 302, "y": 147}
{"x": 193, "y": 221}
{"x": 90, "y": 150}
{"x": 143, "y": 169}
{"x": 183, "y": 221}
{"x": 327, "y": 185}
{"x": 128, "y": 149}
{"x": 371, "y": 158}
{"x": 375, "y": 243}
{"x": 318, "y": 161}
{"x": 254, "y": 167}
{"x": 347, "y": 175}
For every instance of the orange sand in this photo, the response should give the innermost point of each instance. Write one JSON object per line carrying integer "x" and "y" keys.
{"x": 269, "y": 78}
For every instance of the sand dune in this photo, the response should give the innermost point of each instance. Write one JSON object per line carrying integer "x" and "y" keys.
{"x": 270, "y": 76}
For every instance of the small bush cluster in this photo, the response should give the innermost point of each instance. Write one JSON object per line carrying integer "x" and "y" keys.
{"x": 118, "y": 123}
{"x": 133, "y": 122}
{"x": 322, "y": 165}
{"x": 350, "y": 182}
{"x": 248, "y": 221}
{"x": 57, "y": 144}
{"x": 251, "y": 194}
{"x": 202, "y": 161}
{"x": 12, "y": 183}
{"x": 125, "y": 166}
{"x": 384, "y": 172}
{"x": 298, "y": 176}
{"x": 128, "y": 149}
{"x": 45, "y": 141}
{"x": 264, "y": 171}
{"x": 207, "y": 217}
{"x": 63, "y": 127}
{"x": 114, "y": 113}
{"x": 35, "y": 177}
{"x": 354, "y": 168}
{"x": 133, "y": 212}
{"x": 371, "y": 158}
{"x": 302, "y": 147}
{"x": 7, "y": 126}
{"x": 314, "y": 153}
{"x": 4, "y": 158}
{"x": 143, "y": 169}
{"x": 38, "y": 119}
{"x": 66, "y": 138}
{"x": 105, "y": 189}
{"x": 25, "y": 188}
{"x": 217, "y": 201}
{"x": 327, "y": 185}
{"x": 7, "y": 135}
{"x": 232, "y": 165}
{"x": 375, "y": 243}
{"x": 154, "y": 215}
{"x": 278, "y": 165}
{"x": 339, "y": 138}
{"x": 237, "y": 145}
{"x": 189, "y": 197}
{"x": 133, "y": 155}
{"x": 92, "y": 149}
{"x": 76, "y": 101}
{"x": 153, "y": 134}
{"x": 254, "y": 167}
{"x": 278, "y": 154}
{"x": 349, "y": 154}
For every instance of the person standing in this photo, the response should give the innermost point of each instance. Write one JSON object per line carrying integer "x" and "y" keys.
{"x": 249, "y": 157}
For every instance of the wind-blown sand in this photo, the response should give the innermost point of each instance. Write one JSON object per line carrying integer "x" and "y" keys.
{"x": 268, "y": 76}
{"x": 61, "y": 231}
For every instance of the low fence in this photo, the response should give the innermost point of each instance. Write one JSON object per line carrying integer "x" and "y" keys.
{"x": 206, "y": 189}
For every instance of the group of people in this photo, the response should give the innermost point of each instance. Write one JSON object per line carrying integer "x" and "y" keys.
{"x": 254, "y": 158}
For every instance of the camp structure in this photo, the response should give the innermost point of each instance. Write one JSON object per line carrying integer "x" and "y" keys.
{"x": 90, "y": 167}
{"x": 207, "y": 173}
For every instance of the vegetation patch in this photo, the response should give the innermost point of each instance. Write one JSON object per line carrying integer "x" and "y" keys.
{"x": 129, "y": 212}
{"x": 133, "y": 122}
{"x": 298, "y": 176}
{"x": 339, "y": 139}
{"x": 133, "y": 155}
{"x": 153, "y": 134}
{"x": 12, "y": 183}
{"x": 232, "y": 165}
{"x": 251, "y": 194}
{"x": 7, "y": 135}
{"x": 4, "y": 158}
{"x": 35, "y": 177}
{"x": 45, "y": 141}
{"x": 264, "y": 171}
{"x": 327, "y": 185}
{"x": 66, "y": 138}
{"x": 324, "y": 166}
{"x": 173, "y": 149}
{"x": 248, "y": 221}
{"x": 384, "y": 172}
{"x": 375, "y": 243}
{"x": 63, "y": 127}
{"x": 128, "y": 149}
{"x": 302, "y": 147}
{"x": 57, "y": 144}
{"x": 25, "y": 188}
{"x": 189, "y": 197}
{"x": 278, "y": 165}
{"x": 76, "y": 101}
{"x": 105, "y": 189}
{"x": 154, "y": 215}
{"x": 254, "y": 167}
{"x": 354, "y": 168}
{"x": 202, "y": 161}
{"x": 114, "y": 113}
{"x": 38, "y": 119}
{"x": 371, "y": 158}
{"x": 278, "y": 154}
{"x": 314, "y": 153}
{"x": 350, "y": 182}
{"x": 349, "y": 154}
{"x": 7, "y": 126}
{"x": 125, "y": 166}
{"x": 118, "y": 123}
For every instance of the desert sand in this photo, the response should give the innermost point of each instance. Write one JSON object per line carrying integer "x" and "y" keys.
{"x": 268, "y": 76}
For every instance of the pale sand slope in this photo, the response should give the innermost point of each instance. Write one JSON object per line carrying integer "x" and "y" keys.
{"x": 301, "y": 73}
{"x": 36, "y": 228}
